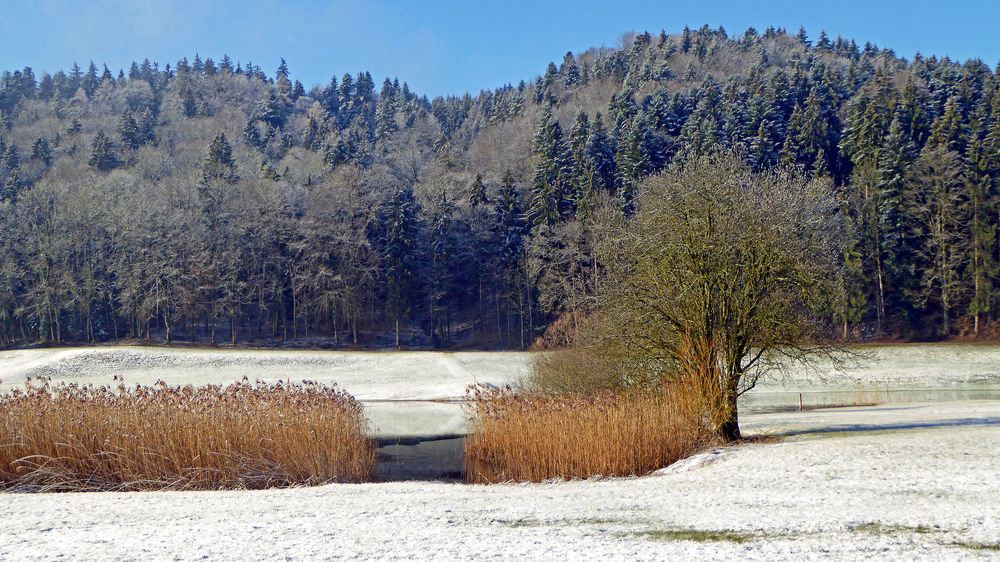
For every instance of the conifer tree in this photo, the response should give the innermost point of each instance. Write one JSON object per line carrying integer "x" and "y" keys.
{"x": 553, "y": 171}
{"x": 399, "y": 254}
{"x": 102, "y": 153}
{"x": 601, "y": 152}
{"x": 10, "y": 159}
{"x": 477, "y": 192}
{"x": 128, "y": 131}
{"x": 41, "y": 151}
{"x": 218, "y": 164}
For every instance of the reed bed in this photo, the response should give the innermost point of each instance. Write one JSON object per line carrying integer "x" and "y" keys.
{"x": 537, "y": 437}
{"x": 240, "y": 436}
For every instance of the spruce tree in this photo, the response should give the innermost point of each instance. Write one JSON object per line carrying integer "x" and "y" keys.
{"x": 128, "y": 131}
{"x": 41, "y": 151}
{"x": 102, "y": 153}
{"x": 399, "y": 254}
{"x": 477, "y": 192}
{"x": 218, "y": 164}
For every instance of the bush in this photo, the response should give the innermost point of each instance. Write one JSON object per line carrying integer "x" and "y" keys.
{"x": 536, "y": 437}
{"x": 73, "y": 438}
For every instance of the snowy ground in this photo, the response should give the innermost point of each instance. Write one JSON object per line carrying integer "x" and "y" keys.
{"x": 917, "y": 482}
{"x": 412, "y": 393}
{"x": 406, "y": 393}
{"x": 368, "y": 375}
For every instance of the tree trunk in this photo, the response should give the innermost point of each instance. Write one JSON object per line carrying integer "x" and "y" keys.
{"x": 730, "y": 428}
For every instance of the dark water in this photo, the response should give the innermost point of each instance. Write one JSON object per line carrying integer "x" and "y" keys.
{"x": 432, "y": 457}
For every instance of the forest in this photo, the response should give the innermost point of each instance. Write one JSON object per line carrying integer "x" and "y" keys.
{"x": 209, "y": 201}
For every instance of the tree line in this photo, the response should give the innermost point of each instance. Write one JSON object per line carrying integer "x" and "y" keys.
{"x": 212, "y": 201}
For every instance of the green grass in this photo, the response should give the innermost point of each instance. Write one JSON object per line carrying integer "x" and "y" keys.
{"x": 523, "y": 522}
{"x": 695, "y": 535}
{"x": 878, "y": 528}
{"x": 979, "y": 546}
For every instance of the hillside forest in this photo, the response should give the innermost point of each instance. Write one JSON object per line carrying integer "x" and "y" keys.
{"x": 213, "y": 201}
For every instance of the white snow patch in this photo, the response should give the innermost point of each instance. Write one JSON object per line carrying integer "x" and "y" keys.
{"x": 694, "y": 462}
{"x": 904, "y": 483}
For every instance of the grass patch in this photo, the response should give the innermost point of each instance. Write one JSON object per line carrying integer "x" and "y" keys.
{"x": 519, "y": 523}
{"x": 73, "y": 438}
{"x": 695, "y": 535}
{"x": 529, "y": 522}
{"x": 978, "y": 546}
{"x": 536, "y": 437}
{"x": 878, "y": 528}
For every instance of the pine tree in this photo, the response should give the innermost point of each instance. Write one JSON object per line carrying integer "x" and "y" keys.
{"x": 601, "y": 152}
{"x": 509, "y": 232}
{"x": 128, "y": 131}
{"x": 477, "y": 192}
{"x": 939, "y": 220}
{"x": 399, "y": 254}
{"x": 803, "y": 37}
{"x": 102, "y": 153}
{"x": 385, "y": 113}
{"x": 570, "y": 71}
{"x": 146, "y": 127}
{"x": 41, "y": 151}
{"x": 90, "y": 81}
{"x": 188, "y": 103}
{"x": 331, "y": 98}
{"x": 218, "y": 163}
{"x": 10, "y": 159}
{"x": 635, "y": 160}
{"x": 553, "y": 171}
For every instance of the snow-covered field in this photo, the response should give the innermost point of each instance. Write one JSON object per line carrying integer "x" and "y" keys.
{"x": 405, "y": 393}
{"x": 916, "y": 480}
{"x": 368, "y": 375}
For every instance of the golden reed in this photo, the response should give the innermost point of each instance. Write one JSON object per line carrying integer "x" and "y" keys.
{"x": 82, "y": 438}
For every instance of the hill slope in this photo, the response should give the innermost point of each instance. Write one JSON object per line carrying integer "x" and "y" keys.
{"x": 211, "y": 201}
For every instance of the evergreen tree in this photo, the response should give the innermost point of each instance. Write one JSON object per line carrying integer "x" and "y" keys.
{"x": 41, "y": 151}
{"x": 399, "y": 254}
{"x": 10, "y": 159}
{"x": 188, "y": 103}
{"x": 102, "y": 153}
{"x": 553, "y": 172}
{"x": 939, "y": 219}
{"x": 570, "y": 71}
{"x": 385, "y": 114}
{"x": 218, "y": 163}
{"x": 477, "y": 192}
{"x": 146, "y": 127}
{"x": 601, "y": 152}
{"x": 128, "y": 131}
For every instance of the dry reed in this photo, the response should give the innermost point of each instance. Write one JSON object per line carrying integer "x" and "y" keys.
{"x": 84, "y": 438}
{"x": 538, "y": 437}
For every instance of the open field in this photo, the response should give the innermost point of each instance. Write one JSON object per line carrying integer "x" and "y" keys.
{"x": 919, "y": 482}
{"x": 367, "y": 375}
{"x": 916, "y": 480}
{"x": 406, "y": 393}
{"x": 412, "y": 393}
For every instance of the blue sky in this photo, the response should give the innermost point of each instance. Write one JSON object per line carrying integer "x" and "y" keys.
{"x": 446, "y": 47}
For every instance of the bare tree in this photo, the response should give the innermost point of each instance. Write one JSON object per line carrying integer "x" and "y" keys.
{"x": 724, "y": 272}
